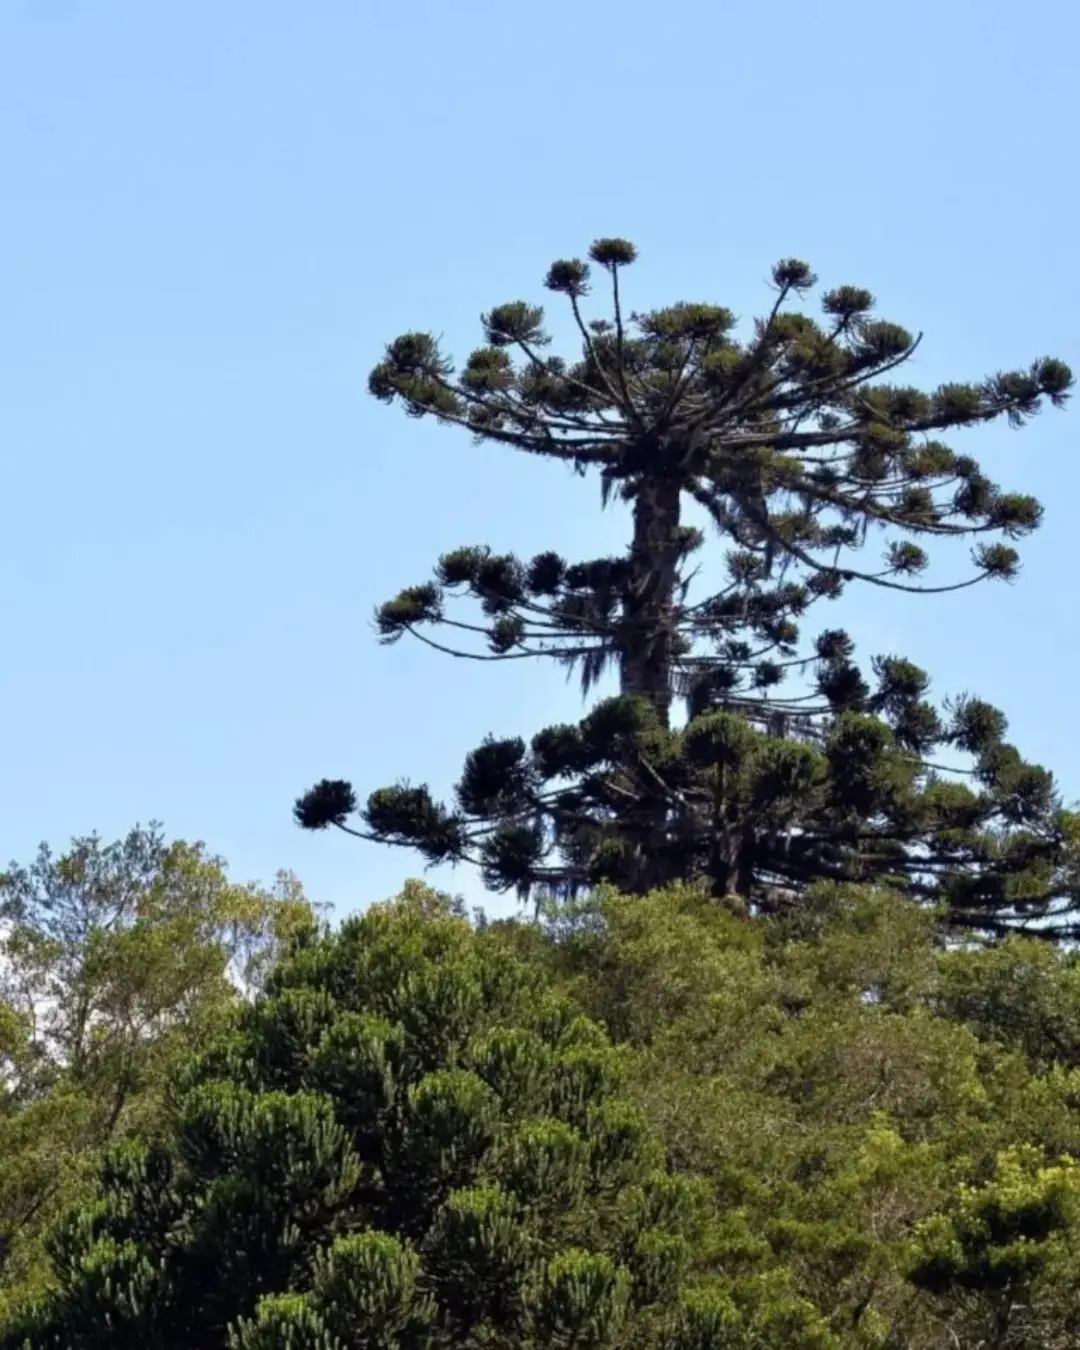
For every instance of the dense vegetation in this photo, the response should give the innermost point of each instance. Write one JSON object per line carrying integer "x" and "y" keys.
{"x": 788, "y": 1057}
{"x": 114, "y": 960}
{"x": 642, "y": 1122}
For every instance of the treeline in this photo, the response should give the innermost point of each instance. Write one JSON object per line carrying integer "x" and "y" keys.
{"x": 640, "y": 1122}
{"x": 788, "y": 1055}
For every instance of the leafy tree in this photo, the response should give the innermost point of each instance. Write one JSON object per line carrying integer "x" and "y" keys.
{"x": 1020, "y": 995}
{"x": 844, "y": 1082}
{"x": 408, "y": 1140}
{"x": 113, "y": 960}
{"x": 793, "y": 765}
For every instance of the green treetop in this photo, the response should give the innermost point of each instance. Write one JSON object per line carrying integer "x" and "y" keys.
{"x": 114, "y": 960}
{"x": 409, "y": 1141}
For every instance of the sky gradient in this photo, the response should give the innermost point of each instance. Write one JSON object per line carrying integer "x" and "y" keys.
{"x": 216, "y": 214}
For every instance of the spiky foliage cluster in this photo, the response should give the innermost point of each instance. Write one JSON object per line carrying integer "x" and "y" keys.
{"x": 411, "y": 1141}
{"x": 759, "y": 814}
{"x": 792, "y": 440}
{"x": 997, "y": 1243}
{"x": 797, "y": 446}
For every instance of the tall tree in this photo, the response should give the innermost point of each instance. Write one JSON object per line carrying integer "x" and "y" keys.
{"x": 796, "y": 446}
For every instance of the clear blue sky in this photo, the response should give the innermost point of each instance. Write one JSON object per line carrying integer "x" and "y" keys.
{"x": 215, "y": 212}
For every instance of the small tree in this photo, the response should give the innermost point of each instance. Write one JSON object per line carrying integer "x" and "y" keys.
{"x": 798, "y": 449}
{"x": 1000, "y": 1263}
{"x": 114, "y": 958}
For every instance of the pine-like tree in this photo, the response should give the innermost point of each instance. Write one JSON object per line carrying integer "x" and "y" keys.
{"x": 791, "y": 767}
{"x": 410, "y": 1143}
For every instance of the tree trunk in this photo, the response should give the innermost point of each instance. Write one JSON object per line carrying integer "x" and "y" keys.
{"x": 649, "y": 641}
{"x": 648, "y": 649}
{"x": 731, "y": 865}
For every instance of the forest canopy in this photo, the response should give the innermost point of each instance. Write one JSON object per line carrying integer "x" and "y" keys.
{"x": 639, "y": 1122}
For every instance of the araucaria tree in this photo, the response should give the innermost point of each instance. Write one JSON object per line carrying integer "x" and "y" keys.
{"x": 411, "y": 1142}
{"x": 797, "y": 444}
